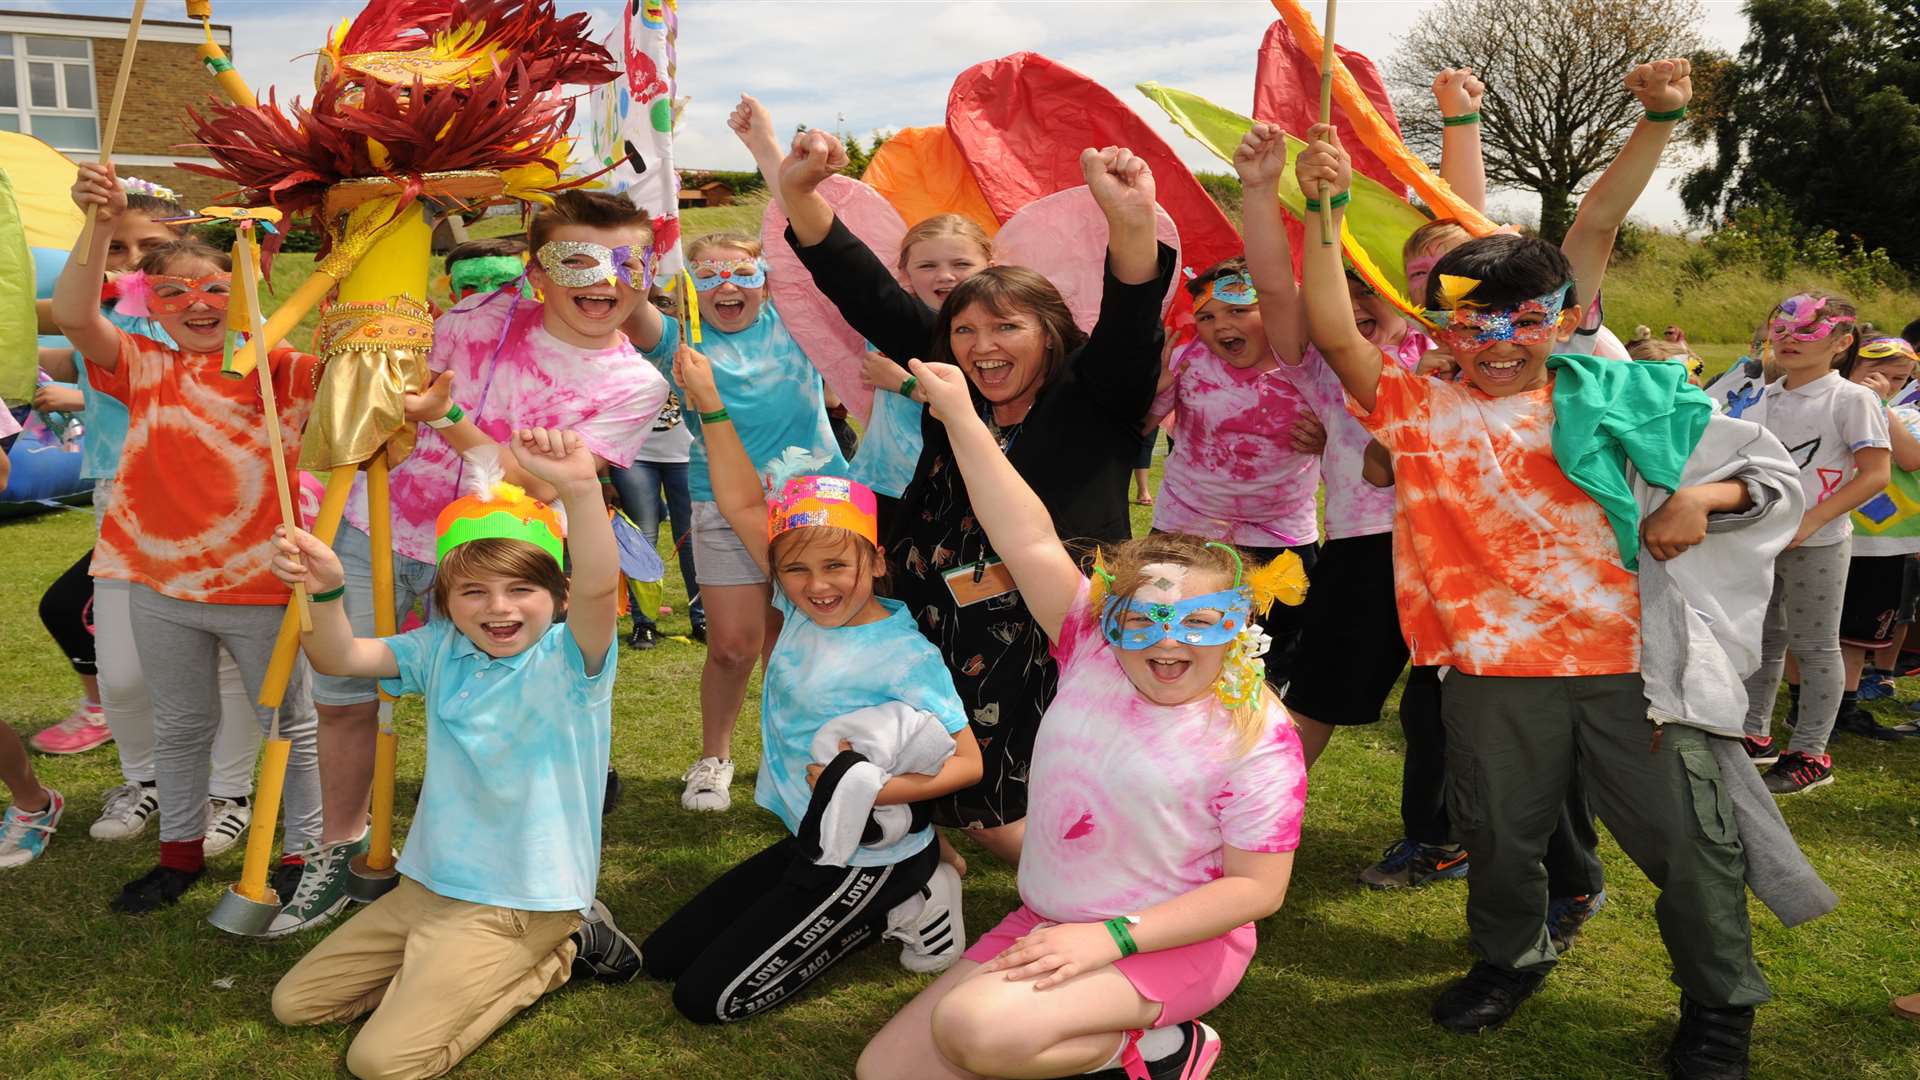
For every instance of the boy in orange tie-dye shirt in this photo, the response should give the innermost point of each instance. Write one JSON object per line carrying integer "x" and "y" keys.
{"x": 191, "y": 525}
{"x": 1510, "y": 574}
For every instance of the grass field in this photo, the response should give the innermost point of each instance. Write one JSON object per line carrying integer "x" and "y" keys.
{"x": 1340, "y": 987}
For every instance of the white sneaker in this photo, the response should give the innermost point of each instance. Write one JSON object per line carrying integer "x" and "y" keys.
{"x": 707, "y": 783}
{"x": 227, "y": 822}
{"x": 126, "y": 812}
{"x": 930, "y": 926}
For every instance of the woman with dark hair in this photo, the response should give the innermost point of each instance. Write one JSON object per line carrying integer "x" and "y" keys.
{"x": 1066, "y": 408}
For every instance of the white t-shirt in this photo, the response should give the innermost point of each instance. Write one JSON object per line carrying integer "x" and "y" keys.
{"x": 670, "y": 442}
{"x": 1823, "y": 424}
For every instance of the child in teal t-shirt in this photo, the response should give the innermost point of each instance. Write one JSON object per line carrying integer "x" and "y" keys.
{"x": 859, "y": 720}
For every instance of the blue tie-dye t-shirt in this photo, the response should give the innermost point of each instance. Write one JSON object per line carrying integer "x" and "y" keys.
{"x": 517, "y": 752}
{"x": 104, "y": 415}
{"x": 818, "y": 673}
{"x": 890, "y": 447}
{"x": 773, "y": 395}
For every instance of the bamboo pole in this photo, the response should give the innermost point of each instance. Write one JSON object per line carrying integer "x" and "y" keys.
{"x": 113, "y": 115}
{"x": 250, "y": 289}
{"x": 1328, "y": 237}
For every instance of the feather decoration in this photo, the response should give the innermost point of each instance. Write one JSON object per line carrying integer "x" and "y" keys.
{"x": 1098, "y": 584}
{"x": 1455, "y": 289}
{"x": 134, "y": 291}
{"x": 793, "y": 463}
{"x": 1284, "y": 579}
{"x": 483, "y": 474}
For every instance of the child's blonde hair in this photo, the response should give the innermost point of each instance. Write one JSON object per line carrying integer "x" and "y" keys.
{"x": 1126, "y": 563}
{"x": 1429, "y": 237}
{"x": 748, "y": 244}
{"x": 939, "y": 225}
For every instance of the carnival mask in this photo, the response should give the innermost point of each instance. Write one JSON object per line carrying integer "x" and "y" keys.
{"x": 1799, "y": 318}
{"x": 1233, "y": 290}
{"x": 1888, "y": 348}
{"x": 710, "y": 274}
{"x": 485, "y": 274}
{"x": 1183, "y": 621}
{"x": 170, "y": 295}
{"x": 1464, "y": 328}
{"x": 577, "y": 264}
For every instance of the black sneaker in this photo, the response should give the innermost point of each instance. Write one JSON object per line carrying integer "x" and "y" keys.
{"x": 1858, "y": 721}
{"x": 644, "y": 637}
{"x": 160, "y": 887}
{"x": 1485, "y": 998}
{"x": 1796, "y": 772}
{"x": 1566, "y": 915}
{"x": 611, "y": 956}
{"x": 285, "y": 877}
{"x": 1711, "y": 1044}
{"x": 1199, "y": 1049}
{"x": 1761, "y": 751}
{"x": 698, "y": 633}
{"x": 611, "y": 801}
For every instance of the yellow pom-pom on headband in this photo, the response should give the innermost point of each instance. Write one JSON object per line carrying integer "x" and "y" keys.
{"x": 496, "y": 510}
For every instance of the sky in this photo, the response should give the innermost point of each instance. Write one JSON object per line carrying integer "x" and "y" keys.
{"x": 864, "y": 65}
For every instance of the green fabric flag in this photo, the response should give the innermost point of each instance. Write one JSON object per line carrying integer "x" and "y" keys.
{"x": 1609, "y": 412}
{"x": 19, "y": 342}
{"x": 1377, "y": 222}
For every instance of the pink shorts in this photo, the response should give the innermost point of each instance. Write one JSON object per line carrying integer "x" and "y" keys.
{"x": 1187, "y": 981}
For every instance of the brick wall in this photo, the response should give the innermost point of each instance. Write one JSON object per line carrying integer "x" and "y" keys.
{"x": 166, "y": 78}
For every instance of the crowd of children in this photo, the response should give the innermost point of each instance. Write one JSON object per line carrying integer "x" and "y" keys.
{"x": 959, "y": 630}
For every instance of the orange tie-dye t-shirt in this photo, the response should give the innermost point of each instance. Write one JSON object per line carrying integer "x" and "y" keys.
{"x": 1501, "y": 565}
{"x": 194, "y": 506}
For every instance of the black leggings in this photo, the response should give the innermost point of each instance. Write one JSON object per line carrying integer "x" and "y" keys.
{"x": 768, "y": 927}
{"x": 66, "y": 609}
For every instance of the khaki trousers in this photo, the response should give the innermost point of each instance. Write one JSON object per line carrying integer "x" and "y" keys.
{"x": 438, "y": 975}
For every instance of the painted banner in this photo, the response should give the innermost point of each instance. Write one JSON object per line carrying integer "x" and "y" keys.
{"x": 631, "y": 122}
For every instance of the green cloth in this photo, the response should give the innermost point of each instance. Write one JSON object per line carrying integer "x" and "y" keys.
{"x": 19, "y": 341}
{"x": 1609, "y": 412}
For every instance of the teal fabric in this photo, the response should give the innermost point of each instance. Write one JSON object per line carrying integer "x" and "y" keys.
{"x": 1609, "y": 412}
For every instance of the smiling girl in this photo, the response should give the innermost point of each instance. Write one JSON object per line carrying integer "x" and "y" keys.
{"x": 774, "y": 923}
{"x": 1168, "y": 787}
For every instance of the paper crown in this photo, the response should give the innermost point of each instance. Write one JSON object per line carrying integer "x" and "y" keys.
{"x": 496, "y": 510}
{"x": 824, "y": 500}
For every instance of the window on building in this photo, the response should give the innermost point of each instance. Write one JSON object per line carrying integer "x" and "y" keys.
{"x": 46, "y": 90}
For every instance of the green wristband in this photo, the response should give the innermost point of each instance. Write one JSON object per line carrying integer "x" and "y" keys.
{"x": 1335, "y": 203}
{"x": 1667, "y": 117}
{"x": 714, "y": 417}
{"x": 330, "y": 594}
{"x": 454, "y": 415}
{"x": 907, "y": 385}
{"x": 1462, "y": 120}
{"x": 1122, "y": 936}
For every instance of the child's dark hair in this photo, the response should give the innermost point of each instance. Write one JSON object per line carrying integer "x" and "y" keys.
{"x": 499, "y": 557}
{"x": 593, "y": 209}
{"x": 482, "y": 249}
{"x": 793, "y": 543}
{"x": 153, "y": 206}
{"x": 187, "y": 247}
{"x": 1862, "y": 332}
{"x": 1510, "y": 269}
{"x": 1198, "y": 284}
{"x": 1912, "y": 333}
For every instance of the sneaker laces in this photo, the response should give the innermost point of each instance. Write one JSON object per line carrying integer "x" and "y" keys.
{"x": 1805, "y": 768}
{"x": 1399, "y": 854}
{"x": 123, "y": 801}
{"x": 705, "y": 775}
{"x": 75, "y": 720}
{"x": 19, "y": 823}
{"x": 320, "y": 866}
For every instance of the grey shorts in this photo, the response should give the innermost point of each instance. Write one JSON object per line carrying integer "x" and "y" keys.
{"x": 412, "y": 581}
{"x": 719, "y": 558}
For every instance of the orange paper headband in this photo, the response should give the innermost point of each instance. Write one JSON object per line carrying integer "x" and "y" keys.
{"x": 824, "y": 500}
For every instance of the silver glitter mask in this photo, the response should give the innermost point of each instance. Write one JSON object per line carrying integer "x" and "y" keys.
{"x": 609, "y": 264}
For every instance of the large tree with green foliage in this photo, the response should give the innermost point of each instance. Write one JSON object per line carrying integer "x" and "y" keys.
{"x": 1818, "y": 112}
{"x": 1555, "y": 113}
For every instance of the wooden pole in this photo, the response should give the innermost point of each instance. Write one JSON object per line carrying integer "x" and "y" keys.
{"x": 250, "y": 289}
{"x": 1328, "y": 237}
{"x": 113, "y": 114}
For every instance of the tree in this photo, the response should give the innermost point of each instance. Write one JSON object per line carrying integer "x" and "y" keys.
{"x": 1819, "y": 113}
{"x": 1555, "y": 112}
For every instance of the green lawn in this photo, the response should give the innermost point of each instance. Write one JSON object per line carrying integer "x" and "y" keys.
{"x": 1340, "y": 988}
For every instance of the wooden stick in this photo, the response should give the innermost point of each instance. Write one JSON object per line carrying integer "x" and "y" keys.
{"x": 1327, "y": 59}
{"x": 113, "y": 114}
{"x": 250, "y": 289}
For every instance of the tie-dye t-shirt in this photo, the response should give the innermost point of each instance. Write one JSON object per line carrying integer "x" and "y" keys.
{"x": 772, "y": 393}
{"x": 195, "y": 504}
{"x": 1501, "y": 565}
{"x": 1132, "y": 804}
{"x": 1354, "y": 507}
{"x": 517, "y": 751}
{"x": 508, "y": 373}
{"x": 817, "y": 673}
{"x": 1233, "y": 475}
{"x": 890, "y": 447}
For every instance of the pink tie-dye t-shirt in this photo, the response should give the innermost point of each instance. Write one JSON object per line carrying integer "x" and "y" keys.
{"x": 608, "y": 397}
{"x": 1132, "y": 804}
{"x": 1234, "y": 476}
{"x": 1354, "y": 507}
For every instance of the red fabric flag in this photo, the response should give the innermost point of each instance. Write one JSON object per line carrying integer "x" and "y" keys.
{"x": 1022, "y": 120}
{"x": 1286, "y": 91}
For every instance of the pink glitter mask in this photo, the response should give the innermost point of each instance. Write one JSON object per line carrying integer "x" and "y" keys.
{"x": 1799, "y": 318}
{"x": 1470, "y": 329}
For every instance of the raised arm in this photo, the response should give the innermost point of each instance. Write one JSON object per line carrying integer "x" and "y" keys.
{"x": 1017, "y": 522}
{"x": 1664, "y": 86}
{"x": 1458, "y": 91}
{"x": 736, "y": 479}
{"x": 562, "y": 460}
{"x": 751, "y": 121}
{"x": 815, "y": 156}
{"x": 300, "y": 558}
{"x": 1261, "y": 160}
{"x": 1123, "y": 186}
{"x": 76, "y": 295}
{"x": 1323, "y": 278}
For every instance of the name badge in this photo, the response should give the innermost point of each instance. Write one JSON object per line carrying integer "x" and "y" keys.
{"x": 976, "y": 581}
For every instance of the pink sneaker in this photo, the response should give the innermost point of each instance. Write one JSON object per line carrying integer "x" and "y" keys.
{"x": 83, "y": 729}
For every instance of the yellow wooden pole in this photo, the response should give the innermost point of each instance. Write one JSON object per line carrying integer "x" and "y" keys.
{"x": 386, "y": 747}
{"x": 284, "y": 319}
{"x": 287, "y": 646}
{"x": 113, "y": 114}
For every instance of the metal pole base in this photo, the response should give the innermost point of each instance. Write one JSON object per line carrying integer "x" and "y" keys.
{"x": 366, "y": 884}
{"x": 237, "y": 914}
